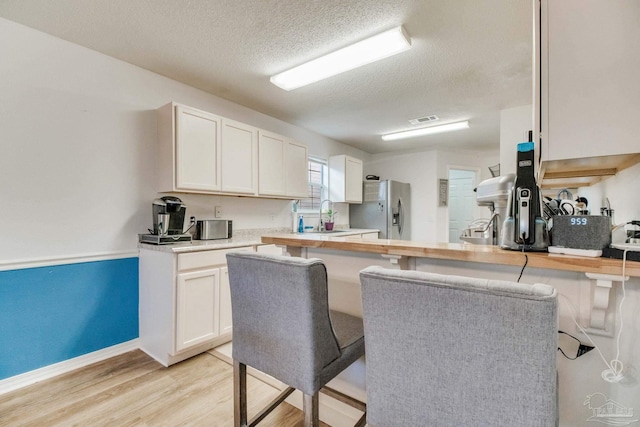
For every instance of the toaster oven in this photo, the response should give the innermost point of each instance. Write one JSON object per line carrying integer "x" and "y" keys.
{"x": 211, "y": 229}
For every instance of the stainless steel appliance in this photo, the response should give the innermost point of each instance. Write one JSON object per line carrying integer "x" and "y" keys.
{"x": 386, "y": 206}
{"x": 525, "y": 229}
{"x": 211, "y": 229}
{"x": 494, "y": 194}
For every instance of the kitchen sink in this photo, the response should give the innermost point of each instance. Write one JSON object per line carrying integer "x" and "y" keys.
{"x": 338, "y": 231}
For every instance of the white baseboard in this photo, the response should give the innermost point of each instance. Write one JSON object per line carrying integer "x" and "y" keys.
{"x": 41, "y": 374}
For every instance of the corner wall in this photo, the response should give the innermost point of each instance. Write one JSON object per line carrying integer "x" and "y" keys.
{"x": 77, "y": 178}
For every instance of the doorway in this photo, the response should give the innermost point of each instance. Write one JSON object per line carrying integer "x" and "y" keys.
{"x": 462, "y": 201}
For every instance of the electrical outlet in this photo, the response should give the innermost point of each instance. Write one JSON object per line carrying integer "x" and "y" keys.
{"x": 218, "y": 211}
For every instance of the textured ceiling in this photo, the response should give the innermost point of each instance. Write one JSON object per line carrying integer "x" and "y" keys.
{"x": 469, "y": 59}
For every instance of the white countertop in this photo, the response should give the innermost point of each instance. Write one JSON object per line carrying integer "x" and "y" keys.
{"x": 251, "y": 237}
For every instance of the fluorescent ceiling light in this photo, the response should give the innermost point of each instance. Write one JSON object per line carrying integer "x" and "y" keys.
{"x": 425, "y": 131}
{"x": 364, "y": 52}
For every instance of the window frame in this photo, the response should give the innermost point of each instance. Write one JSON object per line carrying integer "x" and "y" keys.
{"x": 311, "y": 206}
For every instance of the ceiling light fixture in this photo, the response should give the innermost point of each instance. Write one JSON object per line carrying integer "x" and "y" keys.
{"x": 425, "y": 131}
{"x": 364, "y": 52}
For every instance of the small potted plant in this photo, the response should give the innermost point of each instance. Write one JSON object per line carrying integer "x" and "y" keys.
{"x": 328, "y": 225}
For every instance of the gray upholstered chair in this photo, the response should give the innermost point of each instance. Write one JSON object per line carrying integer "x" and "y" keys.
{"x": 283, "y": 327}
{"x": 457, "y": 351}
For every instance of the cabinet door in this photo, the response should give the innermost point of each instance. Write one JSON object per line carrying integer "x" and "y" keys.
{"x": 353, "y": 180}
{"x": 590, "y": 76}
{"x": 297, "y": 170}
{"x": 197, "y": 150}
{"x": 345, "y": 179}
{"x": 239, "y": 148}
{"x": 271, "y": 164}
{"x": 226, "y": 321}
{"x": 224, "y": 307}
{"x": 196, "y": 307}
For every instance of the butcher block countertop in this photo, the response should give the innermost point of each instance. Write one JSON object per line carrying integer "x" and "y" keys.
{"x": 457, "y": 252}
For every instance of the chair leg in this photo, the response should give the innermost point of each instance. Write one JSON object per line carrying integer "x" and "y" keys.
{"x": 310, "y": 409}
{"x": 239, "y": 394}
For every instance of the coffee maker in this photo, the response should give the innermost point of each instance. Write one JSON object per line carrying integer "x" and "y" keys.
{"x": 173, "y": 207}
{"x": 525, "y": 229}
{"x": 168, "y": 222}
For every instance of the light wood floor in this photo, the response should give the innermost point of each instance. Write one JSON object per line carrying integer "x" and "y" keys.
{"x": 134, "y": 390}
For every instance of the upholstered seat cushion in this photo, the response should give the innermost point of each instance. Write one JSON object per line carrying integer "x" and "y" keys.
{"x": 348, "y": 329}
{"x": 349, "y": 332}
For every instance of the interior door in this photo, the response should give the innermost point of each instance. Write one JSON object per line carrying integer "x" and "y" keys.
{"x": 462, "y": 202}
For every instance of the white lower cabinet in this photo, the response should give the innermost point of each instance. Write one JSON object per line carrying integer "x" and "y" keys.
{"x": 225, "y": 302}
{"x": 185, "y": 302}
{"x": 197, "y": 299}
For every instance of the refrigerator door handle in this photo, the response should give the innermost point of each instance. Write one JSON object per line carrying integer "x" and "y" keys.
{"x": 401, "y": 216}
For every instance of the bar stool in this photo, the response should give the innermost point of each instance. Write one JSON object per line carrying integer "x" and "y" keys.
{"x": 457, "y": 351}
{"x": 283, "y": 327}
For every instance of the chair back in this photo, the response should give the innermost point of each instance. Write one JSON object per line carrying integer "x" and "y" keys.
{"x": 456, "y": 351}
{"x": 281, "y": 323}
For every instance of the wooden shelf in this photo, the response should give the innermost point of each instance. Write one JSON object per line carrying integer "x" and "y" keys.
{"x": 573, "y": 173}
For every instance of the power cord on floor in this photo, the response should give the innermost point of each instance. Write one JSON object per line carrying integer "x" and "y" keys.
{"x": 571, "y": 310}
{"x": 582, "y": 348}
{"x": 615, "y": 367}
{"x": 614, "y": 373}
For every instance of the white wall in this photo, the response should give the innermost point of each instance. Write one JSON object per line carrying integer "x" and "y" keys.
{"x": 622, "y": 192}
{"x": 78, "y": 138}
{"x": 422, "y": 170}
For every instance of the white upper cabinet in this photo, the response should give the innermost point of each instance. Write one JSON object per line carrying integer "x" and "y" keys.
{"x": 189, "y": 149}
{"x": 297, "y": 170}
{"x": 282, "y": 166}
{"x": 345, "y": 179}
{"x": 199, "y": 152}
{"x": 239, "y": 147}
{"x": 271, "y": 163}
{"x": 590, "y": 97}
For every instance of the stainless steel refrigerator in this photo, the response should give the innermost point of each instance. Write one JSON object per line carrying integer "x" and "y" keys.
{"x": 386, "y": 206}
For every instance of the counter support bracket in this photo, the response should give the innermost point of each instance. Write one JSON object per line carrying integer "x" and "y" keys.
{"x": 398, "y": 262}
{"x": 599, "y": 323}
{"x": 294, "y": 251}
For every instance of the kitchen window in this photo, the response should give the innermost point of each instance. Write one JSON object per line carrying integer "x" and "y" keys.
{"x": 318, "y": 185}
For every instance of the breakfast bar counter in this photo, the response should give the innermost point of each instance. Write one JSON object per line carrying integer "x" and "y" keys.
{"x": 591, "y": 291}
{"x": 457, "y": 252}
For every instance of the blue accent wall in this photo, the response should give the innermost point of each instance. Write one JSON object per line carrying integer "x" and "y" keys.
{"x": 51, "y": 314}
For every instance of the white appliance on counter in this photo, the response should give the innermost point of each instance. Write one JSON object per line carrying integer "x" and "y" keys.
{"x": 494, "y": 194}
{"x": 386, "y": 206}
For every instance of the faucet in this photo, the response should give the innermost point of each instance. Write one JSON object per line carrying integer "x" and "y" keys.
{"x": 320, "y": 225}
